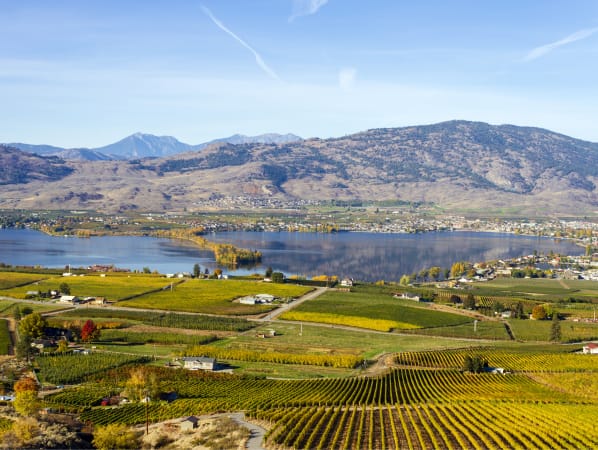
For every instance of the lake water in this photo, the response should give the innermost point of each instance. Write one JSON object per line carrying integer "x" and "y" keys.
{"x": 363, "y": 256}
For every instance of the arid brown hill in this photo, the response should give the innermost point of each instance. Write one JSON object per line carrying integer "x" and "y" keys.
{"x": 456, "y": 165}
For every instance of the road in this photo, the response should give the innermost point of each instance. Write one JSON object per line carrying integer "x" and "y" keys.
{"x": 278, "y": 311}
{"x": 257, "y": 433}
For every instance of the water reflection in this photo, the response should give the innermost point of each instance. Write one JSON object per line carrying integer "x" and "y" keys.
{"x": 364, "y": 256}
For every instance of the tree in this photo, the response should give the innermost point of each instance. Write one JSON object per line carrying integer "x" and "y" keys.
{"x": 455, "y": 299}
{"x": 277, "y": 277}
{"x": 457, "y": 269}
{"x": 435, "y": 273}
{"x": 517, "y": 311}
{"x": 538, "y": 312}
{"x": 26, "y": 402}
{"x": 555, "y": 329}
{"x": 474, "y": 364}
{"x": 89, "y": 332}
{"x": 23, "y": 348}
{"x": 469, "y": 302}
{"x": 141, "y": 383}
{"x": 147, "y": 270}
{"x": 63, "y": 346}
{"x": 405, "y": 280}
{"x": 115, "y": 436}
{"x": 268, "y": 273}
{"x": 196, "y": 271}
{"x": 33, "y": 325}
{"x": 17, "y": 313}
{"x": 64, "y": 289}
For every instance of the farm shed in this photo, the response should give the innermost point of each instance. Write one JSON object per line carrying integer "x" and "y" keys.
{"x": 591, "y": 349}
{"x": 189, "y": 424}
{"x": 199, "y": 363}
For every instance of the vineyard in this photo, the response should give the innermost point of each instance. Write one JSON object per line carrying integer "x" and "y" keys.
{"x": 4, "y": 337}
{"x": 215, "y": 296}
{"x": 74, "y": 368}
{"x": 169, "y": 320}
{"x": 366, "y": 307}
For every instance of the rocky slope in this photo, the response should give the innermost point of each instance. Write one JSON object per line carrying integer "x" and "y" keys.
{"x": 456, "y": 165}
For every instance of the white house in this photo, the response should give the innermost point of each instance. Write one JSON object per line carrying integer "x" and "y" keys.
{"x": 199, "y": 363}
{"x": 591, "y": 349}
{"x": 71, "y": 299}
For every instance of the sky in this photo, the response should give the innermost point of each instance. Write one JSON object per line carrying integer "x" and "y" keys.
{"x": 88, "y": 73}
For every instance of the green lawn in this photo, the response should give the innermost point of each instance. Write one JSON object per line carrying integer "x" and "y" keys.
{"x": 215, "y": 296}
{"x": 483, "y": 330}
{"x": 539, "y": 330}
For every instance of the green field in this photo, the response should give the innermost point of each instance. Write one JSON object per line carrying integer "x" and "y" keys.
{"x": 539, "y": 330}
{"x": 13, "y": 279}
{"x": 113, "y": 287}
{"x": 539, "y": 289}
{"x": 215, "y": 297}
{"x": 371, "y": 307}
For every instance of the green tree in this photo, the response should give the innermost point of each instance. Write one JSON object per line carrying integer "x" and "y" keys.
{"x": 17, "y": 313}
{"x": 455, "y": 299}
{"x": 147, "y": 270}
{"x": 538, "y": 312}
{"x": 33, "y": 325}
{"x": 434, "y": 273}
{"x": 268, "y": 273}
{"x": 555, "y": 329}
{"x": 277, "y": 277}
{"x": 140, "y": 384}
{"x": 23, "y": 348}
{"x": 115, "y": 436}
{"x": 517, "y": 311}
{"x": 196, "y": 271}
{"x": 469, "y": 302}
{"x": 63, "y": 346}
{"x": 474, "y": 364}
{"x": 405, "y": 280}
{"x": 64, "y": 289}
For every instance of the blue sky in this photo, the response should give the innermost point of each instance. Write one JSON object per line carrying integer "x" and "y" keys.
{"x": 87, "y": 73}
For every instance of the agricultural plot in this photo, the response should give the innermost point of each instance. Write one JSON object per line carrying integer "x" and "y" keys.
{"x": 539, "y": 289}
{"x": 10, "y": 280}
{"x": 539, "y": 330}
{"x": 112, "y": 287}
{"x": 161, "y": 319}
{"x": 515, "y": 361}
{"x": 481, "y": 330}
{"x": 215, "y": 297}
{"x": 4, "y": 337}
{"x": 74, "y": 368}
{"x": 372, "y": 309}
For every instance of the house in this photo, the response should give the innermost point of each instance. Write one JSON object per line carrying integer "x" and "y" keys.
{"x": 71, "y": 299}
{"x": 249, "y": 300}
{"x": 590, "y": 349}
{"x": 189, "y": 424}
{"x": 199, "y": 363}
{"x": 409, "y": 296}
{"x": 99, "y": 301}
{"x": 264, "y": 298}
{"x": 346, "y": 282}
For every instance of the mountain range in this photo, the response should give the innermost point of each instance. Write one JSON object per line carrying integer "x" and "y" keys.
{"x": 455, "y": 165}
{"x": 141, "y": 145}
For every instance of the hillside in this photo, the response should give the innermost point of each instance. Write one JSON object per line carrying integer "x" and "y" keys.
{"x": 17, "y": 167}
{"x": 456, "y": 165}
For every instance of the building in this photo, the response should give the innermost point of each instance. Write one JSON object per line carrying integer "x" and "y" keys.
{"x": 70, "y": 299}
{"x": 590, "y": 349}
{"x": 199, "y": 363}
{"x": 189, "y": 424}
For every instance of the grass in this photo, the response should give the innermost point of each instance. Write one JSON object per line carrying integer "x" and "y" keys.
{"x": 4, "y": 337}
{"x": 483, "y": 330}
{"x": 371, "y": 307}
{"x": 13, "y": 279}
{"x": 539, "y": 330}
{"x": 539, "y": 289}
{"x": 215, "y": 297}
{"x": 112, "y": 287}
{"x": 7, "y": 307}
{"x": 322, "y": 339}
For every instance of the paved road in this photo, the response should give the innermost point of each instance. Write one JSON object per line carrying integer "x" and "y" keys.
{"x": 257, "y": 433}
{"x": 278, "y": 311}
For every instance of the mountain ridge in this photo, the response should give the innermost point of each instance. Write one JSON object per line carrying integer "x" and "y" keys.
{"x": 456, "y": 165}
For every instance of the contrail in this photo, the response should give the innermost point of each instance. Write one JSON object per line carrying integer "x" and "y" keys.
{"x": 544, "y": 49}
{"x": 258, "y": 59}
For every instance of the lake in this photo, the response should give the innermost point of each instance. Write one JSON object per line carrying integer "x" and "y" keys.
{"x": 363, "y": 256}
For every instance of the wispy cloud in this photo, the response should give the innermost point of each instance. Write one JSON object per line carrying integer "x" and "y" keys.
{"x": 544, "y": 49}
{"x": 306, "y": 8}
{"x": 258, "y": 59}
